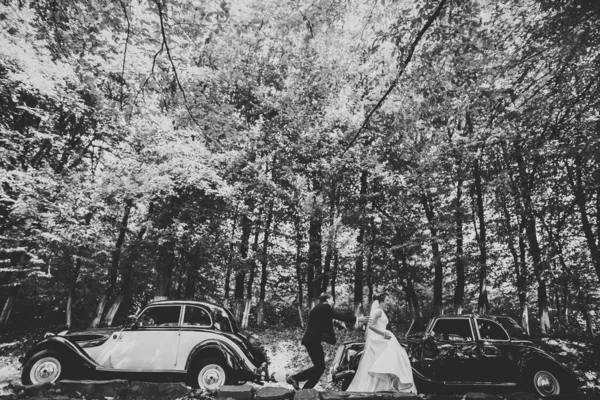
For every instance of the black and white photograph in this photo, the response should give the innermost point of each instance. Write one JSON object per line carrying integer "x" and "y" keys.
{"x": 299, "y": 199}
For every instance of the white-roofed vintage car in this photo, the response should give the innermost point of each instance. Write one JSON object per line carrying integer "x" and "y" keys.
{"x": 195, "y": 342}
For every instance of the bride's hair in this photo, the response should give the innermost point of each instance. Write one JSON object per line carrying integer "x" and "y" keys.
{"x": 380, "y": 297}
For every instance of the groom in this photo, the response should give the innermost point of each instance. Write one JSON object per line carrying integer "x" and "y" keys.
{"x": 320, "y": 329}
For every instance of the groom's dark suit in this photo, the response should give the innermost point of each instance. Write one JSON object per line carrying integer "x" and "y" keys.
{"x": 319, "y": 328}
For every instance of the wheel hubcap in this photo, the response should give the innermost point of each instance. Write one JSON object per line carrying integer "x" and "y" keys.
{"x": 211, "y": 377}
{"x": 46, "y": 369}
{"x": 545, "y": 383}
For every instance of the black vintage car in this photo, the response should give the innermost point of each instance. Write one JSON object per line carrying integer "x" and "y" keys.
{"x": 467, "y": 351}
{"x": 194, "y": 342}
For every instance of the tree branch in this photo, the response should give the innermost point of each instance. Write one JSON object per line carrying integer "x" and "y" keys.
{"x": 125, "y": 52}
{"x": 187, "y": 107}
{"x": 411, "y": 51}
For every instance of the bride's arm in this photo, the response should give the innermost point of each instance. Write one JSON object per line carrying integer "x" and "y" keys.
{"x": 374, "y": 319}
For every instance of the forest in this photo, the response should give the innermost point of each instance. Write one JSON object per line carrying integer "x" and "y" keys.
{"x": 255, "y": 153}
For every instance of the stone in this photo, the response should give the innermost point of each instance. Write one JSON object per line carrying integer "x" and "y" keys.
{"x": 37, "y": 390}
{"x": 480, "y": 396}
{"x": 156, "y": 391}
{"x": 520, "y": 396}
{"x": 307, "y": 394}
{"x": 274, "y": 393}
{"x": 240, "y": 392}
{"x": 333, "y": 395}
{"x": 443, "y": 397}
{"x": 380, "y": 396}
{"x": 93, "y": 389}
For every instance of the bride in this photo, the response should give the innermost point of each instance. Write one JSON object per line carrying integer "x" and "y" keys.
{"x": 384, "y": 365}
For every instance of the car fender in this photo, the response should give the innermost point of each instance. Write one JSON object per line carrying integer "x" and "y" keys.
{"x": 224, "y": 349}
{"x": 71, "y": 351}
{"x": 533, "y": 356}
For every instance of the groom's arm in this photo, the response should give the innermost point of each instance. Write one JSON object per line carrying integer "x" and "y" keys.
{"x": 342, "y": 317}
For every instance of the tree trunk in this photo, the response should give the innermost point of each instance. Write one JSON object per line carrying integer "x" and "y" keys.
{"x": 531, "y": 233}
{"x": 240, "y": 277}
{"x": 359, "y": 269}
{"x": 71, "y": 293}
{"x": 315, "y": 257}
{"x": 164, "y": 271}
{"x": 437, "y": 258}
{"x": 264, "y": 262}
{"x": 9, "y": 304}
{"x": 230, "y": 261}
{"x": 459, "y": 291}
{"x": 299, "y": 274}
{"x": 581, "y": 200}
{"x": 334, "y": 270}
{"x": 114, "y": 267}
{"x": 483, "y": 305}
{"x": 249, "y": 291}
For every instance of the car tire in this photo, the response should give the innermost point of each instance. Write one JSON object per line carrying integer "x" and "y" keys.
{"x": 543, "y": 381}
{"x": 47, "y": 366}
{"x": 210, "y": 374}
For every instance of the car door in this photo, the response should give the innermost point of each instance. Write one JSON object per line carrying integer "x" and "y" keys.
{"x": 498, "y": 359}
{"x": 449, "y": 354}
{"x": 196, "y": 327}
{"x": 150, "y": 344}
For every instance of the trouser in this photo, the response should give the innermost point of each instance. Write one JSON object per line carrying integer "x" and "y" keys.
{"x": 313, "y": 374}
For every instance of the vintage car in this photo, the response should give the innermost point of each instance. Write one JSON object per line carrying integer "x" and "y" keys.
{"x": 194, "y": 342}
{"x": 462, "y": 352}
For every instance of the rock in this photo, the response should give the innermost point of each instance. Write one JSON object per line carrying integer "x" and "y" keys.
{"x": 380, "y": 396}
{"x": 93, "y": 389}
{"x": 274, "y": 393}
{"x": 480, "y": 396}
{"x": 37, "y": 390}
{"x": 307, "y": 394}
{"x": 443, "y": 397}
{"x": 156, "y": 391}
{"x": 333, "y": 395}
{"x": 243, "y": 392}
{"x": 520, "y": 396}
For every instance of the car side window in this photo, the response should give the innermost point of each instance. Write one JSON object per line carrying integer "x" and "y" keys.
{"x": 160, "y": 316}
{"x": 222, "y": 321}
{"x": 453, "y": 329}
{"x": 196, "y": 316}
{"x": 489, "y": 330}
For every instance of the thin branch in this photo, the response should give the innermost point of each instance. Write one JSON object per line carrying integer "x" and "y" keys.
{"x": 162, "y": 46}
{"x": 187, "y": 107}
{"x": 124, "y": 53}
{"x": 394, "y": 83}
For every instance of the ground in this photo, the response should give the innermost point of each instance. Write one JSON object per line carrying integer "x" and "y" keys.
{"x": 287, "y": 354}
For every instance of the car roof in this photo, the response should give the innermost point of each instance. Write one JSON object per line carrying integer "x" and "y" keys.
{"x": 185, "y": 302}
{"x": 473, "y": 315}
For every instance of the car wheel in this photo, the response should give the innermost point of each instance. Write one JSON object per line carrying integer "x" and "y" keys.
{"x": 544, "y": 382}
{"x": 44, "y": 367}
{"x": 210, "y": 374}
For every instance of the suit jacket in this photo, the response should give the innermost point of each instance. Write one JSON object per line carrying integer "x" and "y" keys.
{"x": 320, "y": 324}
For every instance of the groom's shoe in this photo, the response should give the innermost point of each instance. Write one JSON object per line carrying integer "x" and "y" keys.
{"x": 293, "y": 382}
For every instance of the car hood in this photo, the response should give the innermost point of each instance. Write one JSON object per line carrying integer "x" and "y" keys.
{"x": 88, "y": 334}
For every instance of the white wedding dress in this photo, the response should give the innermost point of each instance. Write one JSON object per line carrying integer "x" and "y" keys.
{"x": 384, "y": 362}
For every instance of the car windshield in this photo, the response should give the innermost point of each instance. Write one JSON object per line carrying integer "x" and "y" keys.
{"x": 417, "y": 328}
{"x": 515, "y": 331}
